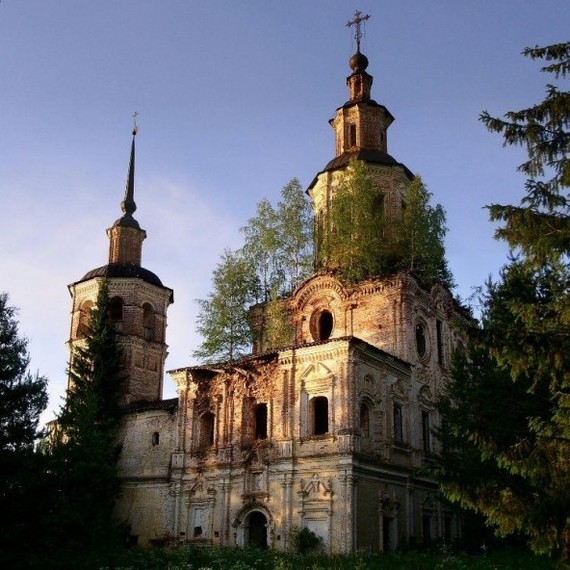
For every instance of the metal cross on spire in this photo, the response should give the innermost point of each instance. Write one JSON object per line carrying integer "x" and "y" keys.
{"x": 135, "y": 126}
{"x": 358, "y": 19}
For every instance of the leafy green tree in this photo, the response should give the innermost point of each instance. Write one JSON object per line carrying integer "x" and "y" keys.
{"x": 85, "y": 450}
{"x": 421, "y": 236}
{"x": 223, "y": 319}
{"x": 262, "y": 242}
{"x": 357, "y": 242}
{"x": 525, "y": 342}
{"x": 23, "y": 397}
{"x": 354, "y": 241}
{"x": 295, "y": 228}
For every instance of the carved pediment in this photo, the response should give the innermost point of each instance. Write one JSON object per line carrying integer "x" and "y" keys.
{"x": 316, "y": 488}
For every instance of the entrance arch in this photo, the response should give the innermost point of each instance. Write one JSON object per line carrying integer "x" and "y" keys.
{"x": 256, "y": 530}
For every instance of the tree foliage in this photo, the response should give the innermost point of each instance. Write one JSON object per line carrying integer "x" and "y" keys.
{"x": 85, "y": 450}
{"x": 223, "y": 319}
{"x": 421, "y": 236}
{"x": 358, "y": 241}
{"x": 276, "y": 256}
{"x": 278, "y": 243}
{"x": 515, "y": 436}
{"x": 353, "y": 239}
{"x": 23, "y": 398}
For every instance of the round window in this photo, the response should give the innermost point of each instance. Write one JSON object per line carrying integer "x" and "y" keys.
{"x": 421, "y": 343}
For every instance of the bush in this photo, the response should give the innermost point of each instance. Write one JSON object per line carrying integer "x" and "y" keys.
{"x": 305, "y": 541}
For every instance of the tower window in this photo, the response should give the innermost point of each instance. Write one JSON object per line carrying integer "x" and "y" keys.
{"x": 155, "y": 438}
{"x": 261, "y": 421}
{"x": 351, "y": 135}
{"x": 116, "y": 313}
{"x": 148, "y": 321}
{"x": 320, "y": 415}
{"x": 325, "y": 325}
{"x": 84, "y": 319}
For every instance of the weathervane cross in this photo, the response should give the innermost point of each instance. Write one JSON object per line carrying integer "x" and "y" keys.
{"x": 358, "y": 19}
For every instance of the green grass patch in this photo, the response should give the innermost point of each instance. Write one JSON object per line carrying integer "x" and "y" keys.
{"x": 208, "y": 558}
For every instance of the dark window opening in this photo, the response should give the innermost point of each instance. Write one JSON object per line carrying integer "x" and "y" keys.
{"x": 116, "y": 313}
{"x": 197, "y": 531}
{"x": 320, "y": 409}
{"x": 155, "y": 438}
{"x": 378, "y": 206}
{"x": 438, "y": 329}
{"x": 148, "y": 322}
{"x": 386, "y": 523}
{"x": 261, "y": 421}
{"x": 426, "y": 528}
{"x": 426, "y": 432}
{"x": 421, "y": 343}
{"x": 398, "y": 424}
{"x": 364, "y": 421}
{"x": 325, "y": 325}
{"x": 352, "y": 135}
{"x": 207, "y": 429}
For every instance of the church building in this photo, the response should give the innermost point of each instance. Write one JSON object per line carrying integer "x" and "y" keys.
{"x": 330, "y": 432}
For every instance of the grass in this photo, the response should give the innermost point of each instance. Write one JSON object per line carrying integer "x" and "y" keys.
{"x": 204, "y": 558}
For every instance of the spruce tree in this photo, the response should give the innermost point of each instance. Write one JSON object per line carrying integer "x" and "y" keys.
{"x": 23, "y": 397}
{"x": 525, "y": 341}
{"x": 85, "y": 451}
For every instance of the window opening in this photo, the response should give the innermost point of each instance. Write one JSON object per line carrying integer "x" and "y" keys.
{"x": 207, "y": 429}
{"x": 325, "y": 325}
{"x": 116, "y": 313}
{"x": 352, "y": 135}
{"x": 155, "y": 438}
{"x": 426, "y": 528}
{"x": 398, "y": 424}
{"x": 421, "y": 343}
{"x": 148, "y": 321}
{"x": 261, "y": 421}
{"x": 364, "y": 420}
{"x": 320, "y": 409}
{"x": 438, "y": 329}
{"x": 426, "y": 432}
{"x": 84, "y": 319}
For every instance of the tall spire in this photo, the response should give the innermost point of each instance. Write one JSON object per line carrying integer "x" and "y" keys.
{"x": 128, "y": 205}
{"x": 126, "y": 236}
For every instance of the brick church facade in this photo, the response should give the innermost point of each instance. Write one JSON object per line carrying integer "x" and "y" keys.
{"x": 329, "y": 433}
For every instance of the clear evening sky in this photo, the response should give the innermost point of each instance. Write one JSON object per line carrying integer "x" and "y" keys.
{"x": 234, "y": 98}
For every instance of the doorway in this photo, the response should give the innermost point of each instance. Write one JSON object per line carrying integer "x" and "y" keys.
{"x": 257, "y": 530}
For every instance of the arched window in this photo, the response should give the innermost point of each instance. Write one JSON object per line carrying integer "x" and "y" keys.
{"x": 322, "y": 324}
{"x": 148, "y": 321}
{"x": 364, "y": 420}
{"x": 155, "y": 438}
{"x": 261, "y": 421}
{"x": 116, "y": 313}
{"x": 207, "y": 422}
{"x": 320, "y": 415}
{"x": 84, "y": 319}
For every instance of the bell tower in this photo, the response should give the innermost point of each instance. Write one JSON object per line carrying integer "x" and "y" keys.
{"x": 139, "y": 302}
{"x": 361, "y": 133}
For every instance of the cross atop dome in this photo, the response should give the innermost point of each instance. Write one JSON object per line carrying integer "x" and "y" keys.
{"x": 357, "y": 22}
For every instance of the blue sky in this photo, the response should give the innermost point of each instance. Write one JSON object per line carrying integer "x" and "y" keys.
{"x": 234, "y": 100}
